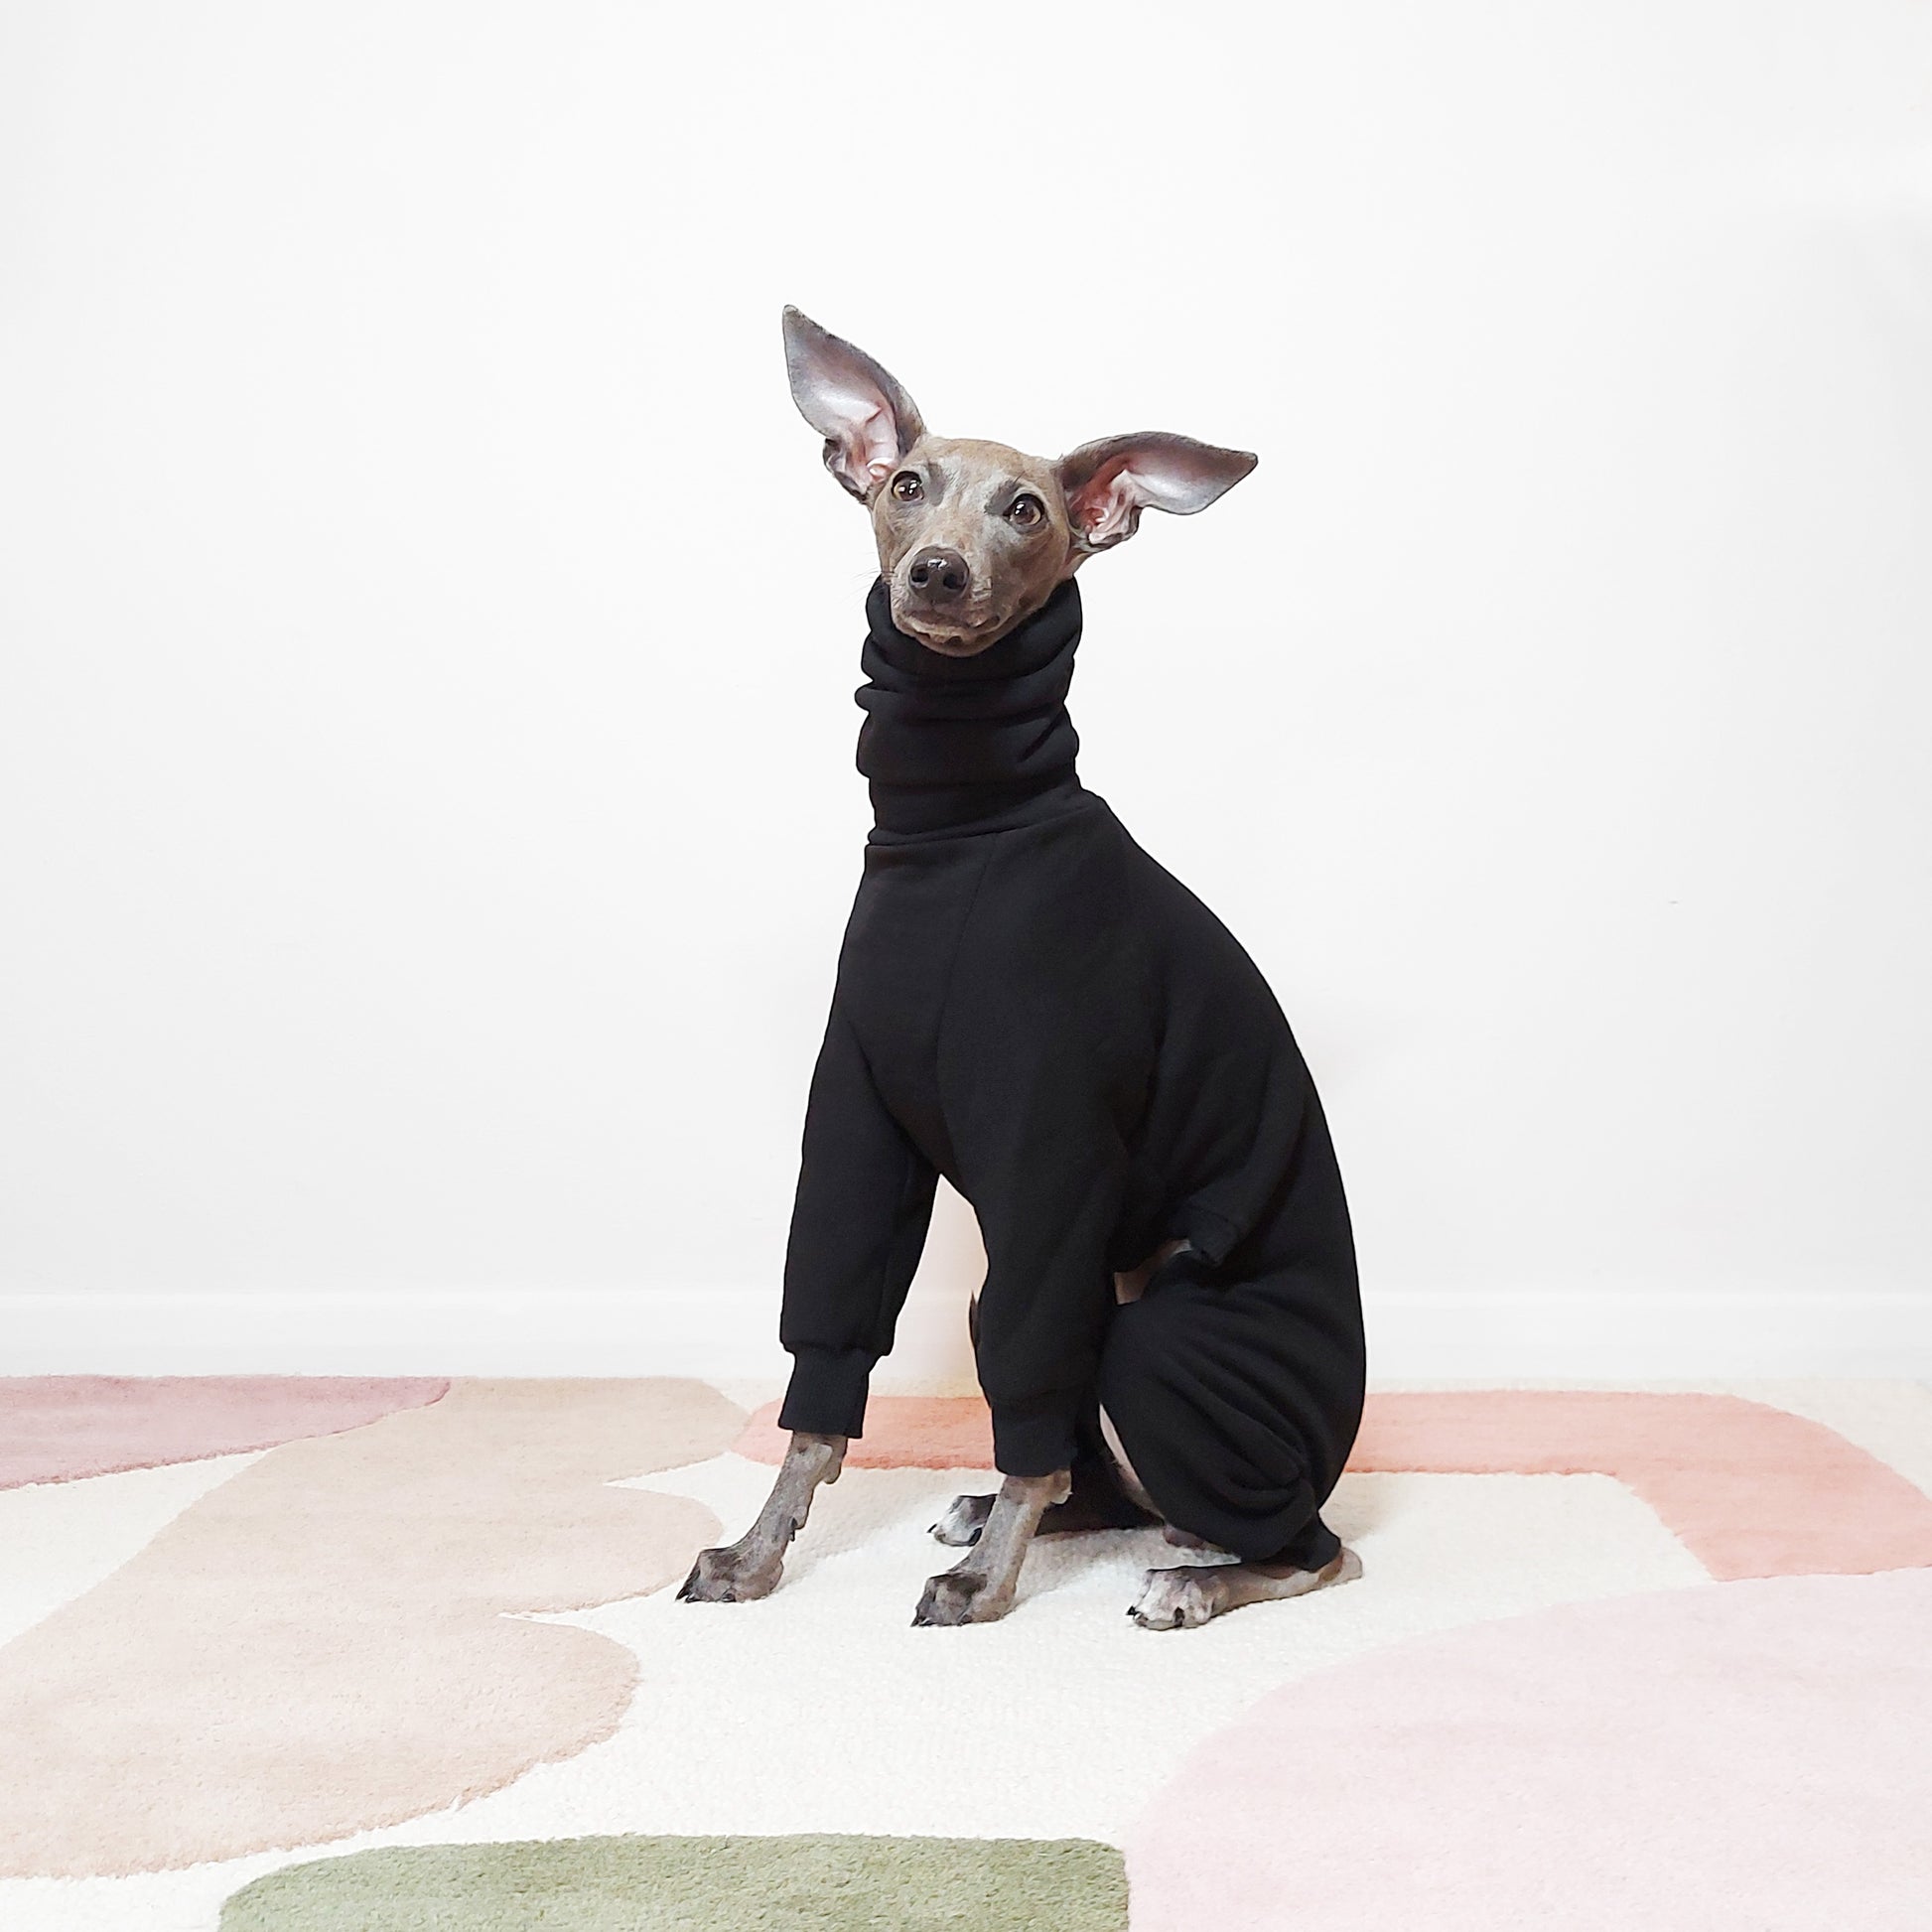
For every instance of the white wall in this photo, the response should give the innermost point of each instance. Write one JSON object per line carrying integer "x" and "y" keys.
{"x": 427, "y": 811}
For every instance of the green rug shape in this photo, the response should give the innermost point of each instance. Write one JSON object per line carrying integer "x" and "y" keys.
{"x": 698, "y": 1884}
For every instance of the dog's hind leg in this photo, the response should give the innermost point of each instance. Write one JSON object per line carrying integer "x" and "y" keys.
{"x": 1238, "y": 1433}
{"x": 965, "y": 1516}
{"x": 1096, "y": 1500}
{"x": 1185, "y": 1598}
{"x": 964, "y": 1520}
{"x": 1086, "y": 1508}
{"x": 980, "y": 1586}
{"x": 1187, "y": 1539}
{"x": 748, "y": 1568}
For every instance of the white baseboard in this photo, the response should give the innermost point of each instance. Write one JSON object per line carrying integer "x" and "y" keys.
{"x": 1647, "y": 1335}
{"x": 1414, "y": 1334}
{"x": 726, "y": 1332}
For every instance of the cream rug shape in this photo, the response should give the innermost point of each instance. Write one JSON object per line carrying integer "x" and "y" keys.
{"x": 1058, "y": 1722}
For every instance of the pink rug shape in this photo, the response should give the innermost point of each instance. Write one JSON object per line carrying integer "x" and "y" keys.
{"x": 1744, "y": 1754}
{"x": 1750, "y": 1490}
{"x": 60, "y": 1428}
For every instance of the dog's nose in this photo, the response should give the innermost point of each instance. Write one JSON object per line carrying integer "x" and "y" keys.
{"x": 939, "y": 575}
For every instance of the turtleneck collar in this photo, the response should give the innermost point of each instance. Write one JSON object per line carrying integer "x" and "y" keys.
{"x": 961, "y": 745}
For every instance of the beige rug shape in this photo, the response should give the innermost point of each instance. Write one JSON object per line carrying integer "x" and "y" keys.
{"x": 334, "y": 1640}
{"x": 699, "y": 1884}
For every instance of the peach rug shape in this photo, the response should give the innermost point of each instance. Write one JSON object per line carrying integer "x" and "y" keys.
{"x": 1741, "y": 1754}
{"x": 332, "y": 1639}
{"x": 903, "y": 1432}
{"x": 1748, "y": 1489}
{"x": 60, "y": 1427}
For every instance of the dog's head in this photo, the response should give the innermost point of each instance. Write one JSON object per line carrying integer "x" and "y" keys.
{"x": 974, "y": 536}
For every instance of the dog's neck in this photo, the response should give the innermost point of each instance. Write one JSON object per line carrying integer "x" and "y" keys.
{"x": 955, "y": 746}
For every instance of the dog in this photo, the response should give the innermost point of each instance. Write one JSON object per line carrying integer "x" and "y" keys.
{"x": 1169, "y": 1330}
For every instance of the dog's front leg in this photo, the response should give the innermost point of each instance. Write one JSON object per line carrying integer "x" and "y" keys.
{"x": 980, "y": 1586}
{"x": 748, "y": 1568}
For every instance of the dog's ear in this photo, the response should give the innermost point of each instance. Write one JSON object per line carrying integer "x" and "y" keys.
{"x": 867, "y": 420}
{"x": 1107, "y": 484}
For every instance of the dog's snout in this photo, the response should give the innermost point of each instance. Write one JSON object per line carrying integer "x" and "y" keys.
{"x": 939, "y": 575}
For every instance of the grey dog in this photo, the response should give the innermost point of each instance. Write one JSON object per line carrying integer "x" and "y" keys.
{"x": 1232, "y": 1348}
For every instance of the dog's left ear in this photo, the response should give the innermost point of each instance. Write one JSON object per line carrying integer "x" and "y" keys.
{"x": 867, "y": 420}
{"x": 1107, "y": 484}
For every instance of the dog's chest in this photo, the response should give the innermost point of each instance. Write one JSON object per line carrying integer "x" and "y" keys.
{"x": 963, "y": 953}
{"x": 1040, "y": 918}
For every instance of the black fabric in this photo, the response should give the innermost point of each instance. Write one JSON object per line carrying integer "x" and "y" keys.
{"x": 1029, "y": 1005}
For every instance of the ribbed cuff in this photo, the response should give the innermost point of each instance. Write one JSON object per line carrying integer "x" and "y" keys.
{"x": 1034, "y": 1438}
{"x": 827, "y": 1392}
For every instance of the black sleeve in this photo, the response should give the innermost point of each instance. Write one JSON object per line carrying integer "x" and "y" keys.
{"x": 858, "y": 1226}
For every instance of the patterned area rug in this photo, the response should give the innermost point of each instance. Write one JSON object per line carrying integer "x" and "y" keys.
{"x": 288, "y": 1656}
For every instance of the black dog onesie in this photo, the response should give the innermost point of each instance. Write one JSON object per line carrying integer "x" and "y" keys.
{"x": 1029, "y": 1006}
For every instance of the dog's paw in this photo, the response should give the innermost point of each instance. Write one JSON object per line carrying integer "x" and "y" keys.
{"x": 1179, "y": 1599}
{"x": 731, "y": 1575}
{"x": 965, "y": 1517}
{"x": 1184, "y": 1598}
{"x": 957, "y": 1597}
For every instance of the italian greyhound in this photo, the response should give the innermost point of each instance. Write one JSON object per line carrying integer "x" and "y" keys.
{"x": 973, "y": 539}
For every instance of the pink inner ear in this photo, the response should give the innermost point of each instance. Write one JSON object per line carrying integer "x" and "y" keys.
{"x": 867, "y": 437}
{"x": 1104, "y": 505}
{"x": 861, "y": 425}
{"x": 877, "y": 438}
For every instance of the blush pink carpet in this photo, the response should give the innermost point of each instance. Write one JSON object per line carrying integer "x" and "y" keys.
{"x": 1756, "y": 1755}
{"x": 58, "y": 1428}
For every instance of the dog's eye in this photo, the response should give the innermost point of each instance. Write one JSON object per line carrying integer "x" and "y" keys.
{"x": 1026, "y": 512}
{"x": 908, "y": 488}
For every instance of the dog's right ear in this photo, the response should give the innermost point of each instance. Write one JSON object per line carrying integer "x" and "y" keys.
{"x": 867, "y": 420}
